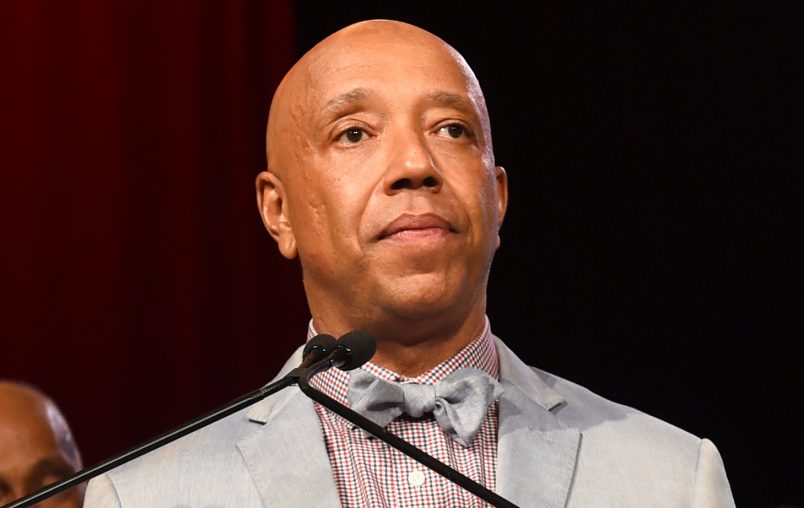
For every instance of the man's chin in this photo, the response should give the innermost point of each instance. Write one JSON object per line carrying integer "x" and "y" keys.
{"x": 421, "y": 305}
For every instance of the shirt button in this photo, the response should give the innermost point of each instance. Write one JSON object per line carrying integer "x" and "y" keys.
{"x": 416, "y": 478}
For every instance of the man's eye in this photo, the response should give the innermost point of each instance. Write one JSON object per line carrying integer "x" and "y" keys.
{"x": 352, "y": 135}
{"x": 453, "y": 130}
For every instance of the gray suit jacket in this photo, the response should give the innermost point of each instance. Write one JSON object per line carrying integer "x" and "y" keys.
{"x": 560, "y": 445}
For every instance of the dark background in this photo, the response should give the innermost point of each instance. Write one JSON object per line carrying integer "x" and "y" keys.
{"x": 651, "y": 249}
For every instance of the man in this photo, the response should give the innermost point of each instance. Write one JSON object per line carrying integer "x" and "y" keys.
{"x": 381, "y": 180}
{"x": 36, "y": 446}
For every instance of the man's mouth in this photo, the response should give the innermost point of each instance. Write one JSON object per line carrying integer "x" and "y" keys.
{"x": 408, "y": 226}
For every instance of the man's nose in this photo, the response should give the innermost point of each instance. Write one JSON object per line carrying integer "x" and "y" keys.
{"x": 412, "y": 166}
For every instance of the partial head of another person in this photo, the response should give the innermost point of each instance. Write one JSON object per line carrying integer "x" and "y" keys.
{"x": 36, "y": 446}
{"x": 381, "y": 178}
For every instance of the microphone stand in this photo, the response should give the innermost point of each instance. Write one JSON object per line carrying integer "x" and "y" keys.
{"x": 300, "y": 375}
{"x": 303, "y": 376}
{"x": 215, "y": 415}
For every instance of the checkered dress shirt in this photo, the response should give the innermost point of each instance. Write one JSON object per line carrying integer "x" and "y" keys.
{"x": 370, "y": 473}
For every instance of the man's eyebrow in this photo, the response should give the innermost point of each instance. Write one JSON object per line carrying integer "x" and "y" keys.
{"x": 50, "y": 465}
{"x": 452, "y": 100}
{"x": 344, "y": 100}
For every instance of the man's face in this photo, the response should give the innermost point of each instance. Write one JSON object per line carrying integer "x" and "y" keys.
{"x": 30, "y": 456}
{"x": 390, "y": 186}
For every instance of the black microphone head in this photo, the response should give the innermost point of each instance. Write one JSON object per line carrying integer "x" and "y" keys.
{"x": 359, "y": 346}
{"x": 320, "y": 345}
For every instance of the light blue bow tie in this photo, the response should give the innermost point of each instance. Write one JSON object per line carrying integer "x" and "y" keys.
{"x": 459, "y": 401}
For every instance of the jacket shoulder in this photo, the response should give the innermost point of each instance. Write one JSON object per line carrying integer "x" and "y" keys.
{"x": 623, "y": 446}
{"x": 593, "y": 413}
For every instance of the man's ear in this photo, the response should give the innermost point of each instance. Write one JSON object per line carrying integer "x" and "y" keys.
{"x": 502, "y": 197}
{"x": 272, "y": 203}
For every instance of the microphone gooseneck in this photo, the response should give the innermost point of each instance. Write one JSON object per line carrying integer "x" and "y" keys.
{"x": 317, "y": 349}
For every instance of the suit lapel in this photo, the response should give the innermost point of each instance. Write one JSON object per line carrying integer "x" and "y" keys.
{"x": 536, "y": 452}
{"x": 285, "y": 453}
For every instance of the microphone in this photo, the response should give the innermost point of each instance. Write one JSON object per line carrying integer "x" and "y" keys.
{"x": 317, "y": 348}
{"x": 323, "y": 352}
{"x": 353, "y": 350}
{"x": 350, "y": 352}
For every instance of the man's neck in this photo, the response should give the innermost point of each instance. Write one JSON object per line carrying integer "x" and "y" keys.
{"x": 411, "y": 339}
{"x": 412, "y": 349}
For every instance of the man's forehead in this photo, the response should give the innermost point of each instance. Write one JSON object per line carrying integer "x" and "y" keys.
{"x": 358, "y": 97}
{"x": 442, "y": 85}
{"x": 392, "y": 62}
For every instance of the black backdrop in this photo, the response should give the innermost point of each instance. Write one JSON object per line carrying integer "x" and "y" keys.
{"x": 652, "y": 245}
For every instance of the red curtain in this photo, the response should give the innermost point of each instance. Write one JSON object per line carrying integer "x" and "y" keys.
{"x": 138, "y": 287}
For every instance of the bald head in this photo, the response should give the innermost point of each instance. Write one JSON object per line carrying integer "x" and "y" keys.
{"x": 353, "y": 50}
{"x": 36, "y": 445}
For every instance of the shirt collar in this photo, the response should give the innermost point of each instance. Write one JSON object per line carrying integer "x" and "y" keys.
{"x": 480, "y": 353}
